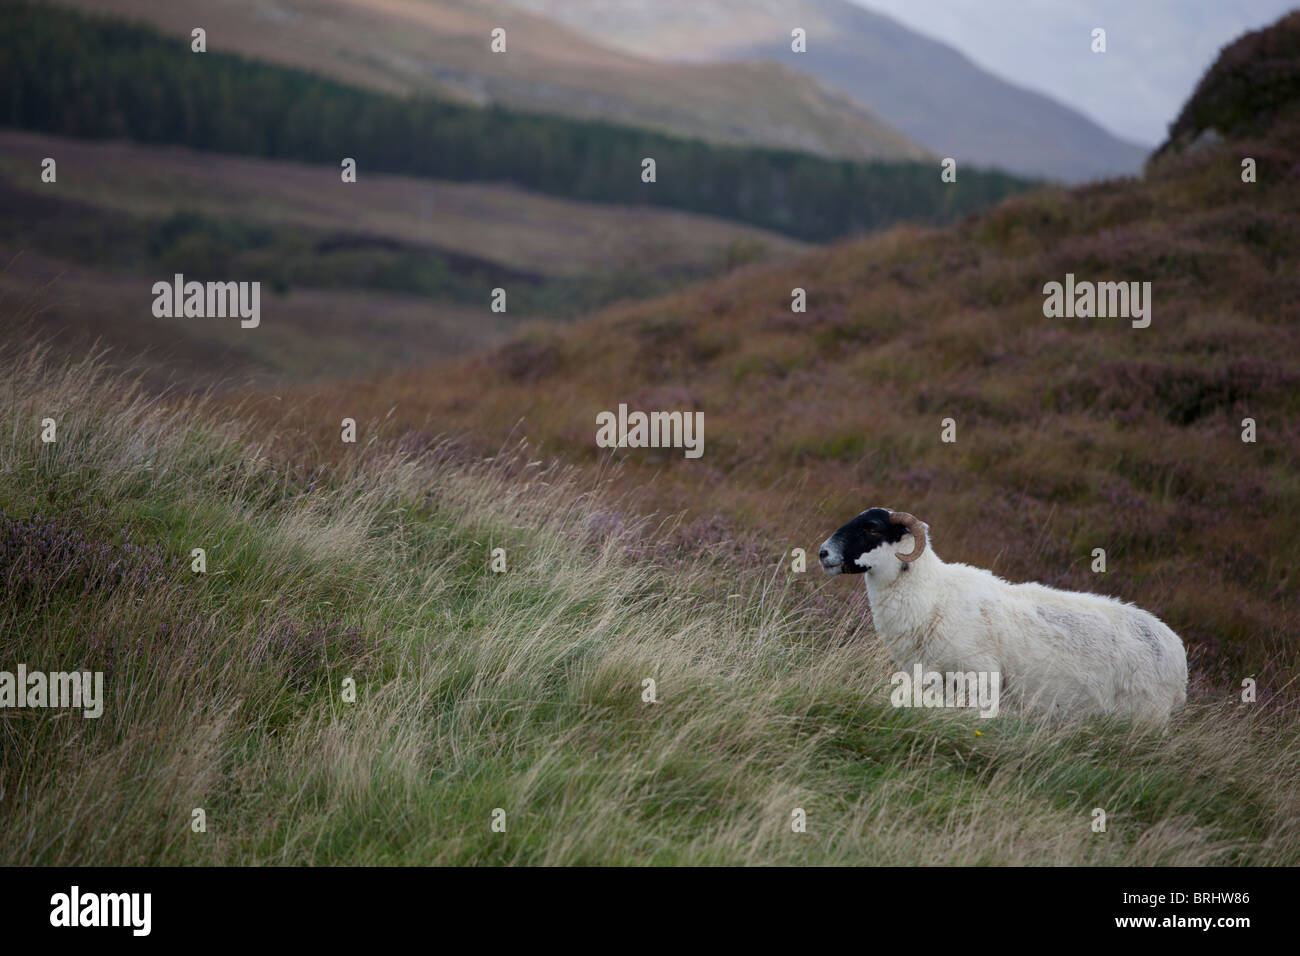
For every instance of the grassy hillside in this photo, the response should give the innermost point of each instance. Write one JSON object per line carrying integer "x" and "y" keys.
{"x": 440, "y": 48}
{"x": 1072, "y": 434}
{"x": 520, "y": 691}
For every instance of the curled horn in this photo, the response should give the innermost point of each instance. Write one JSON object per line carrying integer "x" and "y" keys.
{"x": 912, "y": 524}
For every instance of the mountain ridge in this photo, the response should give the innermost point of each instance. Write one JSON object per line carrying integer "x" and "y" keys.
{"x": 928, "y": 89}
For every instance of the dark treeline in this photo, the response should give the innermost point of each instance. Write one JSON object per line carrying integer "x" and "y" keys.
{"x": 76, "y": 75}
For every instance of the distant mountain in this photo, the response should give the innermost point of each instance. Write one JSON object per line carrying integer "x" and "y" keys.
{"x": 440, "y": 47}
{"x": 926, "y": 89}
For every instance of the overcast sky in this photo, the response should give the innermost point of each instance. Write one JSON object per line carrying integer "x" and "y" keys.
{"x": 1156, "y": 50}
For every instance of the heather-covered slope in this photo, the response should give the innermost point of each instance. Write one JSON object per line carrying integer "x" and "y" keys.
{"x": 1255, "y": 80}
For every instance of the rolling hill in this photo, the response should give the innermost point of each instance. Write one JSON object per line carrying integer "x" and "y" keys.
{"x": 387, "y": 271}
{"x": 516, "y": 229}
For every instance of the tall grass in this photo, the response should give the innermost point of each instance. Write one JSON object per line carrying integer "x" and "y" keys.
{"x": 520, "y": 691}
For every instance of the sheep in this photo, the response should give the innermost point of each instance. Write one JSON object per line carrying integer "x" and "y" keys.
{"x": 1059, "y": 653}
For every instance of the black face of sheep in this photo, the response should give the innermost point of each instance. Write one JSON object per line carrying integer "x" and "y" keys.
{"x": 845, "y": 551}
